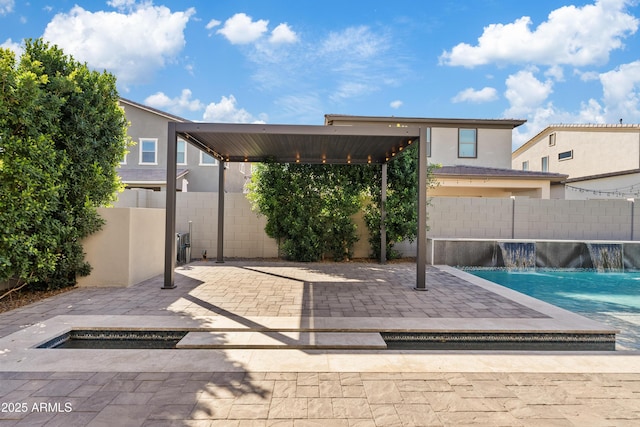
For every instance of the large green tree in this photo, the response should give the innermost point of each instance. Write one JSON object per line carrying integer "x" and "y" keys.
{"x": 62, "y": 135}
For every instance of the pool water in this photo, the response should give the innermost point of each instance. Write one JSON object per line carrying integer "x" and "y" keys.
{"x": 610, "y": 298}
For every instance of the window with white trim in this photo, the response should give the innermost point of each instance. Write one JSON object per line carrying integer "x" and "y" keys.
{"x": 565, "y": 155}
{"x": 207, "y": 159}
{"x": 525, "y": 165}
{"x": 467, "y": 143}
{"x": 148, "y": 151}
{"x": 181, "y": 155}
{"x": 552, "y": 140}
{"x": 545, "y": 164}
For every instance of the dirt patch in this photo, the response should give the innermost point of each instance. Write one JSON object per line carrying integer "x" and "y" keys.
{"x": 25, "y": 297}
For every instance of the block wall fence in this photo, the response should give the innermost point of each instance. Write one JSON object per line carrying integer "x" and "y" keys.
{"x": 449, "y": 217}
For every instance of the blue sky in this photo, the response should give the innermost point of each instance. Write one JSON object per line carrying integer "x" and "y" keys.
{"x": 284, "y": 61}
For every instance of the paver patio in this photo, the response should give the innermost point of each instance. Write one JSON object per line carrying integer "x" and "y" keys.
{"x": 300, "y": 388}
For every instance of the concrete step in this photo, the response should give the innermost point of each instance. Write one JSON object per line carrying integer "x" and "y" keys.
{"x": 289, "y": 340}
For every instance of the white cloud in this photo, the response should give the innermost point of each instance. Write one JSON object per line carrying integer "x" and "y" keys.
{"x": 587, "y": 75}
{"x": 6, "y": 6}
{"x": 395, "y": 104}
{"x": 571, "y": 36}
{"x": 525, "y": 93}
{"x": 555, "y": 72}
{"x": 174, "y": 105}
{"x": 227, "y": 111}
{"x": 486, "y": 94}
{"x": 212, "y": 24}
{"x": 354, "y": 42}
{"x": 304, "y": 108}
{"x": 131, "y": 45}
{"x": 351, "y": 89}
{"x": 283, "y": 34}
{"x": 621, "y": 92}
{"x": 591, "y": 112}
{"x": 349, "y": 63}
{"x": 242, "y": 29}
{"x": 15, "y": 47}
{"x": 122, "y": 4}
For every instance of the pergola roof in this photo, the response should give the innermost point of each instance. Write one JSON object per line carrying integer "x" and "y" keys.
{"x": 294, "y": 143}
{"x": 298, "y": 143}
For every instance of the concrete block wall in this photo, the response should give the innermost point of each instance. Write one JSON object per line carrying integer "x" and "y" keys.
{"x": 470, "y": 217}
{"x": 573, "y": 219}
{"x": 533, "y": 219}
{"x": 244, "y": 235}
{"x": 449, "y": 217}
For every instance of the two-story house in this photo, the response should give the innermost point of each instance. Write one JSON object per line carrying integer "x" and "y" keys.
{"x": 601, "y": 160}
{"x": 145, "y": 165}
{"x": 474, "y": 155}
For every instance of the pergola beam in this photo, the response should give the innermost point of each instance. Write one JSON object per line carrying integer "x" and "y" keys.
{"x": 170, "y": 209}
{"x": 421, "y": 256}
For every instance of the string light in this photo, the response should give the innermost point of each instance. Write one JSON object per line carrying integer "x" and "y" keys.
{"x": 633, "y": 190}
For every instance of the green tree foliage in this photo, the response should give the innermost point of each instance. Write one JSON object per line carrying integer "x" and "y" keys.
{"x": 62, "y": 135}
{"x": 401, "y": 222}
{"x": 310, "y": 208}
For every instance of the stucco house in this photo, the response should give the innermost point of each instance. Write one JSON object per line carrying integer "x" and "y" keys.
{"x": 145, "y": 165}
{"x": 600, "y": 160}
{"x": 474, "y": 154}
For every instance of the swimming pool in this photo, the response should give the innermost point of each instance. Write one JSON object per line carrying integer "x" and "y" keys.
{"x": 610, "y": 298}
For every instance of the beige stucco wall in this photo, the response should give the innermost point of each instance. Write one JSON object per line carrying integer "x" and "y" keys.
{"x": 493, "y": 149}
{"x": 494, "y": 140}
{"x": 596, "y": 150}
{"x": 128, "y": 249}
{"x": 615, "y": 187}
{"x": 490, "y": 187}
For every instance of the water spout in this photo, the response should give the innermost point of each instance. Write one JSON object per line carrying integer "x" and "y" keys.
{"x": 606, "y": 256}
{"x": 518, "y": 255}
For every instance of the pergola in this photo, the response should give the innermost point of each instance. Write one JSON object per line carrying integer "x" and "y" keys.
{"x": 294, "y": 144}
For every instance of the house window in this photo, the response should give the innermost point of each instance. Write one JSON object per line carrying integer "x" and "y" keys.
{"x": 428, "y": 142}
{"x": 565, "y": 155}
{"x": 243, "y": 168}
{"x": 148, "y": 151}
{"x": 207, "y": 159}
{"x": 525, "y": 165}
{"x": 181, "y": 156}
{"x": 552, "y": 140}
{"x": 467, "y": 143}
{"x": 545, "y": 164}
{"x": 122, "y": 162}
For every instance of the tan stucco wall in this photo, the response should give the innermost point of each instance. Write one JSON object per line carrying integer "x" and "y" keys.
{"x": 615, "y": 187}
{"x": 595, "y": 151}
{"x": 128, "y": 249}
{"x": 494, "y": 142}
{"x": 490, "y": 187}
{"x": 493, "y": 149}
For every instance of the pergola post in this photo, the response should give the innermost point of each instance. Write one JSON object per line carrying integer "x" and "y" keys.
{"x": 383, "y": 216}
{"x": 220, "y": 251}
{"x": 421, "y": 258}
{"x": 170, "y": 209}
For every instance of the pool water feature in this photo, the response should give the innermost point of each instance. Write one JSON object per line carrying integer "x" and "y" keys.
{"x": 120, "y": 340}
{"x": 612, "y": 298}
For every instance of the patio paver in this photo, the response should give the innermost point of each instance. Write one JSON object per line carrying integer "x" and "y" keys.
{"x": 376, "y": 388}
